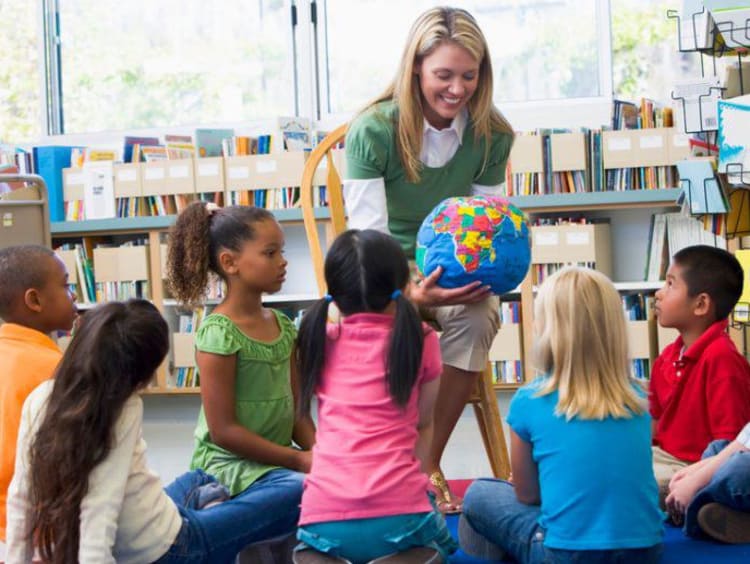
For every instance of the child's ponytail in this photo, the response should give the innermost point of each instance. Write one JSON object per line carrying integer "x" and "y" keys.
{"x": 188, "y": 254}
{"x": 310, "y": 352}
{"x": 405, "y": 351}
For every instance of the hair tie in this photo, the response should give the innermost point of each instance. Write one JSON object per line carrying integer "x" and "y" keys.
{"x": 212, "y": 208}
{"x": 328, "y": 298}
{"x": 395, "y": 294}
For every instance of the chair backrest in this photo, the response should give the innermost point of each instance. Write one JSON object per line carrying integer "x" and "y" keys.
{"x": 334, "y": 196}
{"x": 24, "y": 211}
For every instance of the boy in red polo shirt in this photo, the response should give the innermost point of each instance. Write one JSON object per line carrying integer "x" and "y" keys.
{"x": 35, "y": 300}
{"x": 700, "y": 384}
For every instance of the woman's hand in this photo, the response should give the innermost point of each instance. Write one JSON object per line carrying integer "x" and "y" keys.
{"x": 427, "y": 292}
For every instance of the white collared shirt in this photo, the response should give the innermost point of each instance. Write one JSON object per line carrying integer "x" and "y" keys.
{"x": 365, "y": 200}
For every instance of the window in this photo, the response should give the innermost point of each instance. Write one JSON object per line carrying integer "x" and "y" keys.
{"x": 21, "y": 103}
{"x": 141, "y": 63}
{"x": 541, "y": 49}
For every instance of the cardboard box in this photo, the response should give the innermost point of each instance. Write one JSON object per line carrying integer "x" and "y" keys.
{"x": 665, "y": 336}
{"x": 209, "y": 174}
{"x": 526, "y": 154}
{"x": 640, "y": 339}
{"x": 183, "y": 349}
{"x": 572, "y": 243}
{"x": 507, "y": 343}
{"x": 121, "y": 264}
{"x": 127, "y": 180}
{"x": 69, "y": 260}
{"x": 73, "y": 181}
{"x": 154, "y": 176}
{"x": 568, "y": 151}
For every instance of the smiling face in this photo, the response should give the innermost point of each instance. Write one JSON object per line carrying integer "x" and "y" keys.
{"x": 261, "y": 264}
{"x": 448, "y": 78}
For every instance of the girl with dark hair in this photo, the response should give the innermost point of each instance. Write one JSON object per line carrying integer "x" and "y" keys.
{"x": 247, "y": 424}
{"x": 81, "y": 490}
{"x": 376, "y": 376}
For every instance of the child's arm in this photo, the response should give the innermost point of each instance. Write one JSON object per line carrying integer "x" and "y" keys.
{"x": 304, "y": 428}
{"x": 427, "y": 395}
{"x": 217, "y": 391}
{"x": 524, "y": 470}
{"x": 19, "y": 545}
{"x": 689, "y": 481}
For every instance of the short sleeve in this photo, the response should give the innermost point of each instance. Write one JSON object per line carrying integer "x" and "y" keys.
{"x": 494, "y": 170}
{"x": 518, "y": 413}
{"x": 432, "y": 363}
{"x": 367, "y": 145}
{"x": 216, "y": 335}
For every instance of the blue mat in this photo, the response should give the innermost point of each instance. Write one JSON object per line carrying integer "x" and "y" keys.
{"x": 678, "y": 549}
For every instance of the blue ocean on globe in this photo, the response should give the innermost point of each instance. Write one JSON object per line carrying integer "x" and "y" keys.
{"x": 483, "y": 238}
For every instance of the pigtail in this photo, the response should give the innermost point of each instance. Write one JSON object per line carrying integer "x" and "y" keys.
{"x": 188, "y": 255}
{"x": 310, "y": 355}
{"x": 405, "y": 351}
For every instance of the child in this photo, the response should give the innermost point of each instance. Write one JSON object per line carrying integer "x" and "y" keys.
{"x": 82, "y": 490}
{"x": 434, "y": 133}
{"x": 713, "y": 495}
{"x": 375, "y": 375}
{"x": 700, "y": 384}
{"x": 583, "y": 487}
{"x": 247, "y": 420}
{"x": 35, "y": 300}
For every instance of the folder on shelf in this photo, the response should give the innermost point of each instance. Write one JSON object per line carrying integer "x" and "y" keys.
{"x": 526, "y": 154}
{"x": 701, "y": 188}
{"x": 731, "y": 20}
{"x": 734, "y": 139}
{"x": 695, "y": 104}
{"x": 49, "y": 162}
{"x": 99, "y": 190}
{"x": 695, "y": 26}
{"x": 742, "y": 309}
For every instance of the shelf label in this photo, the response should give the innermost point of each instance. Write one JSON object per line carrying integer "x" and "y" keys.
{"x": 266, "y": 167}
{"x": 127, "y": 175}
{"x": 619, "y": 144}
{"x": 178, "y": 171}
{"x": 577, "y": 238}
{"x": 546, "y": 238}
{"x": 239, "y": 172}
{"x": 651, "y": 142}
{"x": 156, "y": 173}
{"x": 208, "y": 169}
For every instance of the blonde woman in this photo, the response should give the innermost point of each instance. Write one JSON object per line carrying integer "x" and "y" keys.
{"x": 434, "y": 133}
{"x": 583, "y": 486}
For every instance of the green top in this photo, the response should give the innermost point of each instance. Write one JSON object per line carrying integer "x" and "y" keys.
{"x": 371, "y": 152}
{"x": 263, "y": 396}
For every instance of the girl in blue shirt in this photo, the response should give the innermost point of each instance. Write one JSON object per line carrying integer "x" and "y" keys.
{"x": 583, "y": 486}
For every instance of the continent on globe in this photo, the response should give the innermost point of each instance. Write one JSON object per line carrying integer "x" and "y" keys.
{"x": 482, "y": 238}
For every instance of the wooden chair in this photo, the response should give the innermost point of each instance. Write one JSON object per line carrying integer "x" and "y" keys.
{"x": 483, "y": 400}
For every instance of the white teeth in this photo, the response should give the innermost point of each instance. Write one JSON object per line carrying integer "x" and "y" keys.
{"x": 451, "y": 100}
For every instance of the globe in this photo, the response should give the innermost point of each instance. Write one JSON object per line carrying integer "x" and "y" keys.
{"x": 483, "y": 238}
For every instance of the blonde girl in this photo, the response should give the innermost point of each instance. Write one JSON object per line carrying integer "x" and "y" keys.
{"x": 583, "y": 486}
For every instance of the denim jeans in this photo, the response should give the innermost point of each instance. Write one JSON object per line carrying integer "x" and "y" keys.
{"x": 729, "y": 486}
{"x": 268, "y": 508}
{"x": 493, "y": 511}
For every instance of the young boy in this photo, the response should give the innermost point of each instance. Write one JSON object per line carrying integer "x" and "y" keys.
{"x": 700, "y": 384}
{"x": 34, "y": 301}
{"x": 713, "y": 495}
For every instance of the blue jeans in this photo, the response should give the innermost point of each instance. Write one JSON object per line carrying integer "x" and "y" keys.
{"x": 268, "y": 508}
{"x": 363, "y": 540}
{"x": 729, "y": 486}
{"x": 493, "y": 511}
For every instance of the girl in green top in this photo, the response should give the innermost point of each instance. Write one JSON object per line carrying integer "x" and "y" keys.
{"x": 247, "y": 427}
{"x": 434, "y": 133}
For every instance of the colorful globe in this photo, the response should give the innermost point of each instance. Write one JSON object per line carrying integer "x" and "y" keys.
{"x": 475, "y": 238}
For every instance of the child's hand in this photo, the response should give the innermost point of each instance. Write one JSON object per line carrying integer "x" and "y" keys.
{"x": 682, "y": 490}
{"x": 303, "y": 461}
{"x": 428, "y": 293}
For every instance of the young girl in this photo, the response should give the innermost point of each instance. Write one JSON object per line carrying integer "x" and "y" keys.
{"x": 434, "y": 133}
{"x": 583, "y": 486}
{"x": 375, "y": 375}
{"x": 82, "y": 491}
{"x": 247, "y": 421}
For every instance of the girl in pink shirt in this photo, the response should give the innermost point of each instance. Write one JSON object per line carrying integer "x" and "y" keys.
{"x": 375, "y": 374}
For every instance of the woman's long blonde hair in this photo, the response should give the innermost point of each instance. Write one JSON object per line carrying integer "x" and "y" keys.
{"x": 432, "y": 29}
{"x": 582, "y": 344}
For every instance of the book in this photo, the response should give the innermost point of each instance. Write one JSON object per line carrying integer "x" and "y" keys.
{"x": 742, "y": 309}
{"x": 99, "y": 190}
{"x": 49, "y": 162}
{"x": 127, "y": 150}
{"x": 702, "y": 190}
{"x": 208, "y": 141}
{"x": 734, "y": 139}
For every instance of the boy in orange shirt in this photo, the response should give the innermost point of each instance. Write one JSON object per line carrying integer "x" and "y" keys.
{"x": 35, "y": 300}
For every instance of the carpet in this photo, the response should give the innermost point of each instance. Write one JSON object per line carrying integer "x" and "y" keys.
{"x": 678, "y": 549}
